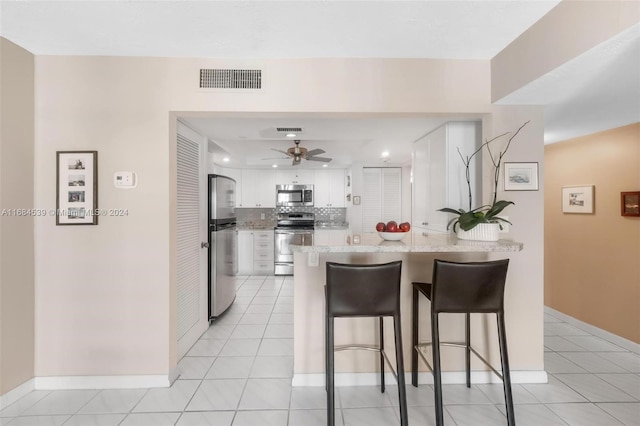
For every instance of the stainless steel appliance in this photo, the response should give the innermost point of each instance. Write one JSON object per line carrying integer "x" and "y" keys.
{"x": 294, "y": 195}
{"x": 223, "y": 244}
{"x": 291, "y": 228}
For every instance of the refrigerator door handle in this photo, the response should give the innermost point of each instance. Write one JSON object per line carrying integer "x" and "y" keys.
{"x": 204, "y": 245}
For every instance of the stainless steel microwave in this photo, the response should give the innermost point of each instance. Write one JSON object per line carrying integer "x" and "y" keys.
{"x": 294, "y": 195}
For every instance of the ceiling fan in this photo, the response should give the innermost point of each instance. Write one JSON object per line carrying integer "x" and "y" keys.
{"x": 297, "y": 153}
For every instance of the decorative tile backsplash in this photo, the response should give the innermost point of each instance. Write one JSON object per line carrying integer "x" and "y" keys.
{"x": 331, "y": 214}
{"x": 256, "y": 217}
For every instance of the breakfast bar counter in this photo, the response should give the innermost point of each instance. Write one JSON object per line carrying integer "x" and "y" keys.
{"x": 437, "y": 243}
{"x": 417, "y": 253}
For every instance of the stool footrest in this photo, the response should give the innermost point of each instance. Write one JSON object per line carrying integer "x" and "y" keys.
{"x": 419, "y": 346}
{"x": 372, "y": 348}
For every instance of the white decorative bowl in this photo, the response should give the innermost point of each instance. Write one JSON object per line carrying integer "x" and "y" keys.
{"x": 392, "y": 236}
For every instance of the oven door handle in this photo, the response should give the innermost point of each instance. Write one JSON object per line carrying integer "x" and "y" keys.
{"x": 293, "y": 232}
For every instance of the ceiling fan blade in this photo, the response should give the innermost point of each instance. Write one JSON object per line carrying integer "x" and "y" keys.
{"x": 323, "y": 159}
{"x": 275, "y": 158}
{"x": 280, "y": 151}
{"x": 315, "y": 152}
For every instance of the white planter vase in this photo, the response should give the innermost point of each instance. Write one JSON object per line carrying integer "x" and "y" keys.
{"x": 481, "y": 232}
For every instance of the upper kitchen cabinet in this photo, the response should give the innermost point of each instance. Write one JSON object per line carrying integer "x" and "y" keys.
{"x": 235, "y": 174}
{"x": 439, "y": 175}
{"x": 258, "y": 188}
{"x": 329, "y": 188}
{"x": 294, "y": 176}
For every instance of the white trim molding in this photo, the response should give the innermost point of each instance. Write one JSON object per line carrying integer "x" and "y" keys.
{"x": 598, "y": 332}
{"x": 16, "y": 393}
{"x": 101, "y": 382}
{"x": 449, "y": 377}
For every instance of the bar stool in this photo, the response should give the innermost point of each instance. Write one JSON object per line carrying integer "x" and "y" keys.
{"x": 364, "y": 291}
{"x": 474, "y": 287}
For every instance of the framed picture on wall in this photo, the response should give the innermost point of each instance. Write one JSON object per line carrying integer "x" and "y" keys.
{"x": 77, "y": 187}
{"x": 520, "y": 176}
{"x": 630, "y": 203}
{"x": 578, "y": 199}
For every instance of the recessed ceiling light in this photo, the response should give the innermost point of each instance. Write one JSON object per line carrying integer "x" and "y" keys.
{"x": 274, "y": 166}
{"x": 325, "y": 165}
{"x": 385, "y": 154}
{"x": 226, "y": 159}
{"x": 291, "y": 135}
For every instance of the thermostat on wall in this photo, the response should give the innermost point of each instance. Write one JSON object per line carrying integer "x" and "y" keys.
{"x": 125, "y": 180}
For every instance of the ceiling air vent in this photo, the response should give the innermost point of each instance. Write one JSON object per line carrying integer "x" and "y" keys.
{"x": 230, "y": 79}
{"x": 289, "y": 129}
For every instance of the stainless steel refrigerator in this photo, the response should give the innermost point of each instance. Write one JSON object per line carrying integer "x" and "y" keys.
{"x": 223, "y": 244}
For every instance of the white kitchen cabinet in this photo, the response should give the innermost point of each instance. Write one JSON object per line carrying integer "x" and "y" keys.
{"x": 245, "y": 252}
{"x": 439, "y": 174}
{"x": 329, "y": 188}
{"x": 255, "y": 252}
{"x": 263, "y": 252}
{"x": 235, "y": 174}
{"x": 258, "y": 188}
{"x": 294, "y": 177}
{"x": 329, "y": 237}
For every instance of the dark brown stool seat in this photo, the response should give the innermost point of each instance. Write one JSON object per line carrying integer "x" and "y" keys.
{"x": 364, "y": 291}
{"x": 466, "y": 288}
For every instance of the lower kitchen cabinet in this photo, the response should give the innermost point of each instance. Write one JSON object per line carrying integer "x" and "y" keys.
{"x": 255, "y": 252}
{"x": 245, "y": 252}
{"x": 263, "y": 252}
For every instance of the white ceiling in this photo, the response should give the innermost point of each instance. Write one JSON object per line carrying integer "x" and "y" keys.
{"x": 270, "y": 29}
{"x": 598, "y": 90}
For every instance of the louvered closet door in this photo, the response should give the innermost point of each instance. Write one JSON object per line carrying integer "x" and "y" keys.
{"x": 191, "y": 297}
{"x": 381, "y": 196}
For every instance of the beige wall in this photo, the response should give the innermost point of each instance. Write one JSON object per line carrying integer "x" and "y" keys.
{"x": 104, "y": 293}
{"x": 591, "y": 261}
{"x": 16, "y": 232}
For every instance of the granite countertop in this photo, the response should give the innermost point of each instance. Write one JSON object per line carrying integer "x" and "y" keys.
{"x": 254, "y": 227}
{"x": 372, "y": 243}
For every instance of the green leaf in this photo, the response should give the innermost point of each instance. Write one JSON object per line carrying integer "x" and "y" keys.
{"x": 448, "y": 210}
{"x": 470, "y": 220}
{"x": 453, "y": 222}
{"x": 497, "y": 207}
{"x": 499, "y": 219}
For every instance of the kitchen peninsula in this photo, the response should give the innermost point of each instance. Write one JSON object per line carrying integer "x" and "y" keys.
{"x": 417, "y": 253}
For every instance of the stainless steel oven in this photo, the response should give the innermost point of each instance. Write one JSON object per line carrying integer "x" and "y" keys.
{"x": 291, "y": 228}
{"x": 294, "y": 195}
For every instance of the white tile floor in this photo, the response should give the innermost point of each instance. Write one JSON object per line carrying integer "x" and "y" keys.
{"x": 239, "y": 374}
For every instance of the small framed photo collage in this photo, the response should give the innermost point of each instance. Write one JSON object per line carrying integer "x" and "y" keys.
{"x": 77, "y": 188}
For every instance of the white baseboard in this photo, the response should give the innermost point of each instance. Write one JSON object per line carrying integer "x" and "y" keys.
{"x": 598, "y": 332}
{"x": 16, "y": 393}
{"x": 101, "y": 382}
{"x": 448, "y": 377}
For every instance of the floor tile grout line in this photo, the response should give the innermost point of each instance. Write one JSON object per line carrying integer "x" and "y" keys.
{"x": 593, "y": 374}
